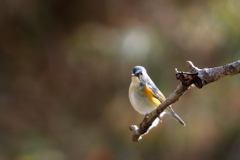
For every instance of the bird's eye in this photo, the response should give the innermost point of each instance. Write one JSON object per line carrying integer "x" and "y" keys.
{"x": 139, "y": 74}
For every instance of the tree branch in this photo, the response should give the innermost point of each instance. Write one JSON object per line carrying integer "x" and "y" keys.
{"x": 196, "y": 76}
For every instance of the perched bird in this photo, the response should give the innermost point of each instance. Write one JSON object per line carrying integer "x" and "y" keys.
{"x": 145, "y": 96}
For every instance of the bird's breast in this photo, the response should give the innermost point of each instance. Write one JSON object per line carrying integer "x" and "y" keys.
{"x": 142, "y": 99}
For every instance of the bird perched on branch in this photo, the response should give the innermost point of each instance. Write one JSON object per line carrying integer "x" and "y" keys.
{"x": 145, "y": 96}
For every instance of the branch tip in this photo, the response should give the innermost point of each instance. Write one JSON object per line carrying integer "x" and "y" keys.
{"x": 133, "y": 128}
{"x": 190, "y": 65}
{"x": 176, "y": 70}
{"x": 193, "y": 69}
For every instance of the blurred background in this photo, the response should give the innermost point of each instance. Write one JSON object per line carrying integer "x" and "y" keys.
{"x": 65, "y": 71}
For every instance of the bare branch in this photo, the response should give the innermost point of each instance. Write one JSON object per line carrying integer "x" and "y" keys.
{"x": 196, "y": 76}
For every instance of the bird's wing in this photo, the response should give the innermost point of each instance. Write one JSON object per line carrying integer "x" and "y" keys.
{"x": 156, "y": 92}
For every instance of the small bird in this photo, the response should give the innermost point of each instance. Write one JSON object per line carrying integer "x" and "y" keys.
{"x": 145, "y": 96}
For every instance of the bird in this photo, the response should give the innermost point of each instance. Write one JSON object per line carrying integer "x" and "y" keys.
{"x": 144, "y": 95}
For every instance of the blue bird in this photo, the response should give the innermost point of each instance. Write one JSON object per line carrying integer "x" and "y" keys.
{"x": 145, "y": 96}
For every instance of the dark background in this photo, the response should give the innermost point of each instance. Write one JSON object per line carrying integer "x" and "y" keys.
{"x": 65, "y": 71}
